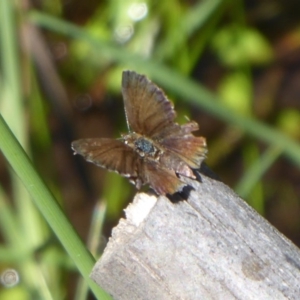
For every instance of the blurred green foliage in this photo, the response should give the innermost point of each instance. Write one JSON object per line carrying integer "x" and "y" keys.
{"x": 231, "y": 48}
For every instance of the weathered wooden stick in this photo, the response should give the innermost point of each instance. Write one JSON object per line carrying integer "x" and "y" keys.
{"x": 212, "y": 246}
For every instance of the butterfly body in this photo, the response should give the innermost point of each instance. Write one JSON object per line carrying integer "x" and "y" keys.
{"x": 142, "y": 145}
{"x": 156, "y": 150}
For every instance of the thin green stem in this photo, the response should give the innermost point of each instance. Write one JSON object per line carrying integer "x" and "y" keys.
{"x": 10, "y": 68}
{"x": 256, "y": 171}
{"x": 93, "y": 243}
{"x": 47, "y": 205}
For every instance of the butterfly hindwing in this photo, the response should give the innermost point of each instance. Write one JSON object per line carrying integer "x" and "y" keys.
{"x": 162, "y": 180}
{"x": 183, "y": 144}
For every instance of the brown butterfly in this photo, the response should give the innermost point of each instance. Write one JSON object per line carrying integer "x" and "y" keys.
{"x": 156, "y": 150}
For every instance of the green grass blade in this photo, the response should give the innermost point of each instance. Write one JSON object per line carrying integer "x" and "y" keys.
{"x": 256, "y": 171}
{"x": 8, "y": 222}
{"x": 47, "y": 205}
{"x": 10, "y": 68}
{"x": 12, "y": 108}
{"x": 94, "y": 241}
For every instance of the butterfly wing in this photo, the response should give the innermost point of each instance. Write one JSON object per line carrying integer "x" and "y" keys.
{"x": 108, "y": 153}
{"x": 163, "y": 181}
{"x": 117, "y": 156}
{"x": 147, "y": 109}
{"x": 182, "y": 148}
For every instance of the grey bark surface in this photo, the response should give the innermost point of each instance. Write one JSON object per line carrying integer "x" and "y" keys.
{"x": 212, "y": 246}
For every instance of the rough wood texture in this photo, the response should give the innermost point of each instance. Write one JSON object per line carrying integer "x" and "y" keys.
{"x": 212, "y": 246}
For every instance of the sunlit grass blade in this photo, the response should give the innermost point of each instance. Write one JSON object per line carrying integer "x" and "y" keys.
{"x": 10, "y": 67}
{"x": 21, "y": 226}
{"x": 255, "y": 172}
{"x": 9, "y": 225}
{"x": 94, "y": 241}
{"x": 47, "y": 205}
{"x": 193, "y": 19}
{"x": 19, "y": 252}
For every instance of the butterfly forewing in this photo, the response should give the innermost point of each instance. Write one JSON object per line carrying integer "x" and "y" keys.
{"x": 148, "y": 111}
{"x": 108, "y": 153}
